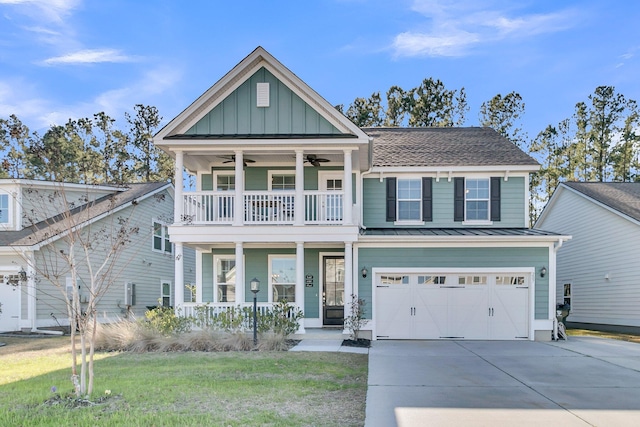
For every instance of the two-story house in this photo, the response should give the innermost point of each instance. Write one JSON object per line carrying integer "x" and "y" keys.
{"x": 429, "y": 226}
{"x": 35, "y": 217}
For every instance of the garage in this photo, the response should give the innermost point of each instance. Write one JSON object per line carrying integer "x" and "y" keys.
{"x": 10, "y": 300}
{"x": 478, "y": 304}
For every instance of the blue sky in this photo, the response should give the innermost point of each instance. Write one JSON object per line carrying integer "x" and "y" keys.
{"x": 62, "y": 59}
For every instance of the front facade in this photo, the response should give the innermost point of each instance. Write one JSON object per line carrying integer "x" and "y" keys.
{"x": 31, "y": 241}
{"x": 428, "y": 226}
{"x": 598, "y": 269}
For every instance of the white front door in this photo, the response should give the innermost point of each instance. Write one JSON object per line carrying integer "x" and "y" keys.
{"x": 10, "y": 300}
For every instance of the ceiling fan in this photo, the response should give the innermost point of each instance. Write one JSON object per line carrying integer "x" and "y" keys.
{"x": 232, "y": 159}
{"x": 315, "y": 160}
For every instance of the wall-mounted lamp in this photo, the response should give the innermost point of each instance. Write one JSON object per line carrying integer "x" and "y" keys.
{"x": 364, "y": 272}
{"x": 22, "y": 274}
{"x": 543, "y": 271}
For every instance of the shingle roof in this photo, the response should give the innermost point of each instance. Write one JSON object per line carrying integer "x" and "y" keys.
{"x": 621, "y": 196}
{"x": 458, "y": 232}
{"x": 46, "y": 229}
{"x": 437, "y": 146}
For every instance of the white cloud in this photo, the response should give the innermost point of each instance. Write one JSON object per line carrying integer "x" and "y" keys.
{"x": 48, "y": 10}
{"x": 90, "y": 56}
{"x": 455, "y": 28}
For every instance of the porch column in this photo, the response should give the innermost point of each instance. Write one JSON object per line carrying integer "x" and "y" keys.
{"x": 238, "y": 206}
{"x": 347, "y": 219}
{"x": 199, "y": 284}
{"x": 348, "y": 279}
{"x": 300, "y": 281}
{"x": 32, "y": 313}
{"x": 178, "y": 204}
{"x": 179, "y": 276}
{"x": 239, "y": 272}
{"x": 299, "y": 199}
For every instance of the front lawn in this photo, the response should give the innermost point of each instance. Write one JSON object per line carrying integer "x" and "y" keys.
{"x": 183, "y": 388}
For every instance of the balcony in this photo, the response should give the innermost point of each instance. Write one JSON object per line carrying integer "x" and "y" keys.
{"x": 263, "y": 208}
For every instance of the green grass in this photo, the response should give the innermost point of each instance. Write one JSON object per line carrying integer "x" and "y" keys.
{"x": 185, "y": 389}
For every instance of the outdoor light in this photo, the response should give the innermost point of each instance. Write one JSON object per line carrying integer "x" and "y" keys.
{"x": 364, "y": 271}
{"x": 22, "y": 274}
{"x": 255, "y": 288}
{"x": 543, "y": 271}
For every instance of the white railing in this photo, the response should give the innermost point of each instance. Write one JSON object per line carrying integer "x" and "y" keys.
{"x": 323, "y": 207}
{"x": 207, "y": 314}
{"x": 271, "y": 207}
{"x": 205, "y": 207}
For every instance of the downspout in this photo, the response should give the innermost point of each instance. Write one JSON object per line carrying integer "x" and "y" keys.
{"x": 556, "y": 247}
{"x": 367, "y": 172}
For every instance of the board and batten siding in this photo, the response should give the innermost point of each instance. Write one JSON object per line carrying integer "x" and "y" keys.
{"x": 137, "y": 263}
{"x": 238, "y": 113}
{"x": 456, "y": 258}
{"x": 512, "y": 203}
{"x": 603, "y": 243}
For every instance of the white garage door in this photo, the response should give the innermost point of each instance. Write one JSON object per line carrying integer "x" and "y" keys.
{"x": 452, "y": 305}
{"x": 10, "y": 299}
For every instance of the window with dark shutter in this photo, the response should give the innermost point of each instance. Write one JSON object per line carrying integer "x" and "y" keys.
{"x": 391, "y": 199}
{"x": 495, "y": 198}
{"x": 458, "y": 199}
{"x": 427, "y": 199}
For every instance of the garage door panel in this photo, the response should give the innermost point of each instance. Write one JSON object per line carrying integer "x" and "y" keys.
{"x": 394, "y": 316}
{"x": 468, "y": 312}
{"x": 10, "y": 317}
{"x": 430, "y": 318}
{"x": 511, "y": 313}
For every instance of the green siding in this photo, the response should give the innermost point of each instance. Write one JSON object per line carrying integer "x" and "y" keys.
{"x": 238, "y": 113}
{"x": 512, "y": 204}
{"x": 207, "y": 277}
{"x": 456, "y": 258}
{"x": 207, "y": 182}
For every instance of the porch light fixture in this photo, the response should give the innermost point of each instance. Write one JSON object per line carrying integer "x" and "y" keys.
{"x": 255, "y": 288}
{"x": 543, "y": 271}
{"x": 364, "y": 272}
{"x": 22, "y": 275}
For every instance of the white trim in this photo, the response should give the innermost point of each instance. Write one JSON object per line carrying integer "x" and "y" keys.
{"x": 216, "y": 173}
{"x": 164, "y": 227}
{"x": 486, "y": 221}
{"x": 11, "y": 211}
{"x": 514, "y": 170}
{"x": 163, "y": 295}
{"x": 280, "y": 172}
{"x": 225, "y": 257}
{"x": 270, "y": 257}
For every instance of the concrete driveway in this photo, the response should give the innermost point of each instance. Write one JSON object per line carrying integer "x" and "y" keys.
{"x": 585, "y": 381}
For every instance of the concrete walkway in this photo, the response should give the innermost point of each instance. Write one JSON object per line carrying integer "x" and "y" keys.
{"x": 325, "y": 340}
{"x": 585, "y": 381}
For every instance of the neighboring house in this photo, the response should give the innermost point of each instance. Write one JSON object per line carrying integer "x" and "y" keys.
{"x": 598, "y": 269}
{"x": 429, "y": 226}
{"x": 30, "y": 218}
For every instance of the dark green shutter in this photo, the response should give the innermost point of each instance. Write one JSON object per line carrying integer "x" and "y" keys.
{"x": 495, "y": 198}
{"x": 391, "y": 199}
{"x": 458, "y": 199}
{"x": 427, "y": 199}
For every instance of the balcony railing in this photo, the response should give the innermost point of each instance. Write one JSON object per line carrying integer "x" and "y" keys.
{"x": 263, "y": 207}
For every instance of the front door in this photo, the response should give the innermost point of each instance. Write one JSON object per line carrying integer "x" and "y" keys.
{"x": 333, "y": 290}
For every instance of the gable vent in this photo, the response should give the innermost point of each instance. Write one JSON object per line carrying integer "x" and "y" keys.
{"x": 262, "y": 95}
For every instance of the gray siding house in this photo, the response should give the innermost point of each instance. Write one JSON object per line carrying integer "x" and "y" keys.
{"x": 31, "y": 240}
{"x": 598, "y": 269}
{"x": 429, "y": 226}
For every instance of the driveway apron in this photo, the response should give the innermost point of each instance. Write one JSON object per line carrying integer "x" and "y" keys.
{"x": 585, "y": 381}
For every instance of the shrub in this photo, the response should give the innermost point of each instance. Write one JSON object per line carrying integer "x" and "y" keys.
{"x": 355, "y": 321}
{"x": 165, "y": 321}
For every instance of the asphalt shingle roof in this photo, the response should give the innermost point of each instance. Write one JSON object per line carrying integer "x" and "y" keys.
{"x": 621, "y": 196}
{"x": 48, "y": 228}
{"x": 449, "y": 146}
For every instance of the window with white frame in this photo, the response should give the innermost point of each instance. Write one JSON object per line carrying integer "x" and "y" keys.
{"x": 409, "y": 199}
{"x": 225, "y": 182}
{"x": 4, "y": 209}
{"x": 282, "y": 277}
{"x": 283, "y": 181}
{"x": 165, "y": 293}
{"x": 161, "y": 242}
{"x": 477, "y": 199}
{"x": 224, "y": 278}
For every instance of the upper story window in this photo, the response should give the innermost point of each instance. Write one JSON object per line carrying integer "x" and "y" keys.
{"x": 161, "y": 242}
{"x": 225, "y": 182}
{"x": 409, "y": 199}
{"x": 477, "y": 200}
{"x": 4, "y": 209}
{"x": 283, "y": 181}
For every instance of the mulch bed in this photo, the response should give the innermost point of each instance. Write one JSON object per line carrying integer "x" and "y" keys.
{"x": 361, "y": 342}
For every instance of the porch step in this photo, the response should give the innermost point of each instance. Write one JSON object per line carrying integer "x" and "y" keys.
{"x": 321, "y": 334}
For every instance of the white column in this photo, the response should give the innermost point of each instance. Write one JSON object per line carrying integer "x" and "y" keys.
{"x": 179, "y": 276}
{"x": 299, "y": 200}
{"x": 348, "y": 193}
{"x": 240, "y": 299}
{"x": 199, "y": 284}
{"x": 32, "y": 313}
{"x": 300, "y": 281}
{"x": 178, "y": 204}
{"x": 239, "y": 197}
{"x": 348, "y": 279}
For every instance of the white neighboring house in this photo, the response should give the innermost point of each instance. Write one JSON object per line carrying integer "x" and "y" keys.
{"x": 598, "y": 269}
{"x": 146, "y": 273}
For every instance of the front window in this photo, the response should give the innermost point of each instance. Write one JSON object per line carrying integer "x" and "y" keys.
{"x": 283, "y": 278}
{"x": 225, "y": 279}
{"x": 409, "y": 199}
{"x": 477, "y": 199}
{"x": 165, "y": 294}
{"x": 161, "y": 242}
{"x": 4, "y": 209}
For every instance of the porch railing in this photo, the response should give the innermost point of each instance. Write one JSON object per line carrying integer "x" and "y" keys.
{"x": 206, "y": 313}
{"x": 263, "y": 207}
